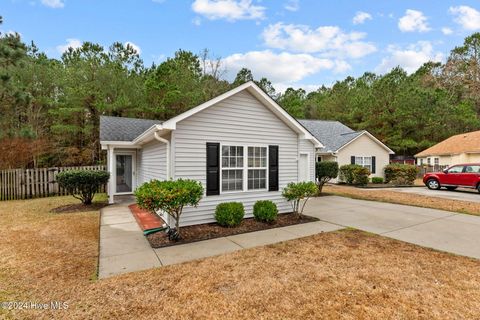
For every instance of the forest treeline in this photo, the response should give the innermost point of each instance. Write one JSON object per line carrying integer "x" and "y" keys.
{"x": 50, "y": 108}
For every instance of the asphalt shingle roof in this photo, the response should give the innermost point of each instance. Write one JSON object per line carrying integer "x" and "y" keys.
{"x": 123, "y": 129}
{"x": 332, "y": 134}
{"x": 460, "y": 143}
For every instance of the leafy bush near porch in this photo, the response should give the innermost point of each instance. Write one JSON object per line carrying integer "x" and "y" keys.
{"x": 325, "y": 171}
{"x": 354, "y": 174}
{"x": 170, "y": 196}
{"x": 265, "y": 211}
{"x": 400, "y": 174}
{"x": 377, "y": 180}
{"x": 298, "y": 192}
{"x": 82, "y": 184}
{"x": 229, "y": 214}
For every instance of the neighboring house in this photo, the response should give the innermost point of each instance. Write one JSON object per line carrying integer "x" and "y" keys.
{"x": 461, "y": 148}
{"x": 242, "y": 146}
{"x": 346, "y": 146}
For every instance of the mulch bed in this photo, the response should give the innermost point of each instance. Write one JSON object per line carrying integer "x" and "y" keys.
{"x": 79, "y": 207}
{"x": 213, "y": 230}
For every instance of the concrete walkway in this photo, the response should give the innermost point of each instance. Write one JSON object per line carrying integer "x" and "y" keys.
{"x": 442, "y": 230}
{"x": 123, "y": 248}
{"x": 459, "y": 194}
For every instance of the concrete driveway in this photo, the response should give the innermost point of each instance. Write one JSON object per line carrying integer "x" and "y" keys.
{"x": 459, "y": 194}
{"x": 441, "y": 230}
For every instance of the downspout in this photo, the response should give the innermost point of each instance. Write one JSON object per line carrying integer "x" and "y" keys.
{"x": 167, "y": 142}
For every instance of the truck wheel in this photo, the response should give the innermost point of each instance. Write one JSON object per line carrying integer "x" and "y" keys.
{"x": 433, "y": 184}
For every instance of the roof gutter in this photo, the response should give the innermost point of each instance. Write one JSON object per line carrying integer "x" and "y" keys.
{"x": 167, "y": 142}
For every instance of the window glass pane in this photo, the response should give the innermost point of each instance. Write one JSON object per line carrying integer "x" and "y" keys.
{"x": 240, "y": 151}
{"x": 263, "y": 162}
{"x": 456, "y": 169}
{"x": 239, "y": 162}
{"x": 257, "y": 179}
{"x": 232, "y": 180}
{"x": 264, "y": 152}
{"x": 233, "y": 151}
{"x": 224, "y": 162}
{"x": 224, "y": 150}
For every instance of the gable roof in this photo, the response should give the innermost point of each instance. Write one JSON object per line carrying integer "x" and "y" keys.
{"x": 123, "y": 129}
{"x": 137, "y": 132}
{"x": 461, "y": 143}
{"x": 334, "y": 135}
{"x": 261, "y": 96}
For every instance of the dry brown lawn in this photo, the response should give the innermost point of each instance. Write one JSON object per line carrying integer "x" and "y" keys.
{"x": 346, "y": 274}
{"x": 390, "y": 196}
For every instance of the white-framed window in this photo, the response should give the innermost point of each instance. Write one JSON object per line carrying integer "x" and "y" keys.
{"x": 257, "y": 168}
{"x": 364, "y": 162}
{"x": 436, "y": 161}
{"x": 429, "y": 161}
{"x": 319, "y": 159}
{"x": 243, "y": 168}
{"x": 421, "y": 162}
{"x": 232, "y": 168}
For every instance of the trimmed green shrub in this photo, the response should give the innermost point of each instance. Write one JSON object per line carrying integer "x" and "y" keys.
{"x": 229, "y": 214}
{"x": 400, "y": 174}
{"x": 377, "y": 180}
{"x": 82, "y": 184}
{"x": 265, "y": 210}
{"x": 354, "y": 174}
{"x": 296, "y": 192}
{"x": 325, "y": 171}
{"x": 169, "y": 196}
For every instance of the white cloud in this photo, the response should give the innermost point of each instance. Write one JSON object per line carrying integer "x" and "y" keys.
{"x": 197, "y": 21}
{"x": 292, "y": 5}
{"x": 467, "y": 17}
{"x": 328, "y": 40}
{"x": 361, "y": 17}
{"x": 230, "y": 10}
{"x": 409, "y": 58}
{"x": 280, "y": 67}
{"x": 281, "y": 87}
{"x": 447, "y": 31}
{"x": 53, "y": 3}
{"x": 412, "y": 21}
{"x": 134, "y": 46}
{"x": 71, "y": 43}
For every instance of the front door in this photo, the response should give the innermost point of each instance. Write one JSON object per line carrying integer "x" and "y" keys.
{"x": 453, "y": 176}
{"x": 124, "y": 173}
{"x": 303, "y": 168}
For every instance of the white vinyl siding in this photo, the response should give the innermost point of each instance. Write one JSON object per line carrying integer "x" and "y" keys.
{"x": 151, "y": 162}
{"x": 240, "y": 120}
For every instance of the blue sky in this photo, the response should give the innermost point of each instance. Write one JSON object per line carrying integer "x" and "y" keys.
{"x": 299, "y": 43}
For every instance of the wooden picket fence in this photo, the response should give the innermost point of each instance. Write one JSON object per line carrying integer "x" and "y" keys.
{"x": 35, "y": 183}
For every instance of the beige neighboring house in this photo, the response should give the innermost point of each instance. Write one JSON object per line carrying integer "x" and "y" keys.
{"x": 346, "y": 146}
{"x": 461, "y": 148}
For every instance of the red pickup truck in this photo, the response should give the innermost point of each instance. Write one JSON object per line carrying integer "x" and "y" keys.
{"x": 465, "y": 175}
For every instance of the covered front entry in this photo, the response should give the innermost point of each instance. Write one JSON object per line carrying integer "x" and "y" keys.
{"x": 122, "y": 167}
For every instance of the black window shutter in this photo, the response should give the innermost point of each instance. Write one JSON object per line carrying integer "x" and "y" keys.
{"x": 213, "y": 168}
{"x": 374, "y": 165}
{"x": 272, "y": 168}
{"x": 352, "y": 160}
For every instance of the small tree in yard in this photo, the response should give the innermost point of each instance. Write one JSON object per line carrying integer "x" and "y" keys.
{"x": 325, "y": 171}
{"x": 82, "y": 184}
{"x": 169, "y": 196}
{"x": 296, "y": 192}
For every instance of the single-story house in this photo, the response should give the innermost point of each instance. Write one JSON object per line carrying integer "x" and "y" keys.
{"x": 347, "y": 146}
{"x": 461, "y": 148}
{"x": 242, "y": 146}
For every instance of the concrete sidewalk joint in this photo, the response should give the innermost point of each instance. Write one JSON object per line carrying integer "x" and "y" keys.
{"x": 123, "y": 248}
